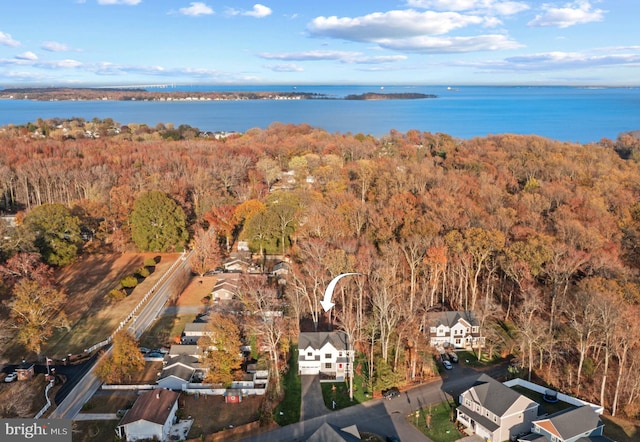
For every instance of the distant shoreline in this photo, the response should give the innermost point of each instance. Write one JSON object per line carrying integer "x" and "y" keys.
{"x": 138, "y": 94}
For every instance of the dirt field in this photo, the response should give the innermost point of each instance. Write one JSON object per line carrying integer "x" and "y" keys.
{"x": 197, "y": 289}
{"x": 91, "y": 315}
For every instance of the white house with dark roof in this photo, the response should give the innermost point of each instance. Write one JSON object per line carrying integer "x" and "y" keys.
{"x": 192, "y": 332}
{"x": 325, "y": 353}
{"x": 581, "y": 424}
{"x": 455, "y": 329}
{"x": 176, "y": 377}
{"x": 494, "y": 411}
{"x": 184, "y": 349}
{"x": 224, "y": 290}
{"x": 151, "y": 416}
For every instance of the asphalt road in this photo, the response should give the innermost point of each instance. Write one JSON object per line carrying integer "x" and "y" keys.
{"x": 386, "y": 417}
{"x": 88, "y": 383}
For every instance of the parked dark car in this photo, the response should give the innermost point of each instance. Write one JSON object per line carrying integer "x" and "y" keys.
{"x": 390, "y": 393}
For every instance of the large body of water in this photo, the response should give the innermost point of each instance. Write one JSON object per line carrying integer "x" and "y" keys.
{"x": 563, "y": 113}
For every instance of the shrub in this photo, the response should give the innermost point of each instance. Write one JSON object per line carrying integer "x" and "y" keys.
{"x": 150, "y": 262}
{"x": 129, "y": 282}
{"x": 117, "y": 295}
{"x": 143, "y": 272}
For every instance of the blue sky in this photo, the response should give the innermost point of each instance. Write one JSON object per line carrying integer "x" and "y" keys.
{"x": 443, "y": 42}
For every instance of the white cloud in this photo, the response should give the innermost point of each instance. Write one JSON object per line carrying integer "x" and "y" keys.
{"x": 285, "y": 68}
{"x": 549, "y": 61}
{"x": 376, "y": 59}
{"x": 485, "y": 7}
{"x": 392, "y": 24}
{"x": 119, "y": 2}
{"x": 27, "y": 56}
{"x": 258, "y": 11}
{"x": 54, "y": 46}
{"x": 449, "y": 45}
{"x": 308, "y": 55}
{"x": 571, "y": 14}
{"x": 7, "y": 40}
{"x": 196, "y": 8}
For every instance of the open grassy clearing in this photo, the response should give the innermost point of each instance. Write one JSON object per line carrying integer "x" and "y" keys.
{"x": 165, "y": 331}
{"x": 92, "y": 316}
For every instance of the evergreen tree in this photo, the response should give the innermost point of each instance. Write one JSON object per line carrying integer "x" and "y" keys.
{"x": 158, "y": 224}
{"x": 57, "y": 233}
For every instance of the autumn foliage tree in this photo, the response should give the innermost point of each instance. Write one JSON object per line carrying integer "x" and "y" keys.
{"x": 221, "y": 344}
{"x": 36, "y": 310}
{"x": 124, "y": 359}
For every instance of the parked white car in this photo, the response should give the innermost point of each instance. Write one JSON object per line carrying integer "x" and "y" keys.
{"x": 11, "y": 377}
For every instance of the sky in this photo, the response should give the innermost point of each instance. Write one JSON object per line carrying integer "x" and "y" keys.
{"x": 324, "y": 42}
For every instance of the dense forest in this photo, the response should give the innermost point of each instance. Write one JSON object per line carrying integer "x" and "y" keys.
{"x": 538, "y": 237}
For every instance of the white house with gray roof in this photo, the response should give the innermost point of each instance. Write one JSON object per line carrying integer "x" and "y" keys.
{"x": 455, "y": 329}
{"x": 494, "y": 411}
{"x": 325, "y": 353}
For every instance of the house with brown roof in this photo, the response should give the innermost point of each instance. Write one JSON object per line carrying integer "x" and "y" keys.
{"x": 151, "y": 416}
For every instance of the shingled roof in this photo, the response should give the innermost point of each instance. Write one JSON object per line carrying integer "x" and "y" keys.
{"x": 567, "y": 424}
{"x": 152, "y": 406}
{"x": 317, "y": 340}
{"x": 493, "y": 395}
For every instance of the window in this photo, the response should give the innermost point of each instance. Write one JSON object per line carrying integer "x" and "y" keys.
{"x": 328, "y": 365}
{"x": 327, "y": 356}
{"x": 309, "y": 354}
{"x": 474, "y": 329}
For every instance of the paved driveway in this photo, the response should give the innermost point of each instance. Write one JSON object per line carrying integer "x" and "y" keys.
{"x": 381, "y": 416}
{"x": 312, "y": 402}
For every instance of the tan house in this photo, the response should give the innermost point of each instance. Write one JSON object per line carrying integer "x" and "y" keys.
{"x": 151, "y": 416}
{"x": 494, "y": 411}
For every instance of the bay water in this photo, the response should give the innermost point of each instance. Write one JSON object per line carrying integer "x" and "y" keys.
{"x": 574, "y": 114}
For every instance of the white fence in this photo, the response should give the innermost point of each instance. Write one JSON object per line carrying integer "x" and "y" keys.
{"x": 151, "y": 291}
{"x": 563, "y": 397}
{"x": 46, "y": 395}
{"x": 128, "y": 387}
{"x": 203, "y": 389}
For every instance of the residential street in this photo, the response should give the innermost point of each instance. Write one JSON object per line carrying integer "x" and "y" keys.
{"x": 381, "y": 416}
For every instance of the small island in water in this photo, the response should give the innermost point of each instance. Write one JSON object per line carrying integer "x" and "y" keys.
{"x": 139, "y": 94}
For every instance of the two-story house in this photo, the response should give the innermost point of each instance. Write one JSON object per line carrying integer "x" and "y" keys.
{"x": 325, "y": 353}
{"x": 572, "y": 425}
{"x": 455, "y": 329}
{"x": 494, "y": 411}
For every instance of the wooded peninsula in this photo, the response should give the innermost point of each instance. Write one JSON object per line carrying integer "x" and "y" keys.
{"x": 138, "y": 94}
{"x": 538, "y": 237}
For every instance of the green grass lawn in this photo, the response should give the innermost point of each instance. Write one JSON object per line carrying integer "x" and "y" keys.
{"x": 548, "y": 407}
{"x": 164, "y": 330}
{"x": 441, "y": 429}
{"x": 288, "y": 410}
{"x": 339, "y": 391}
